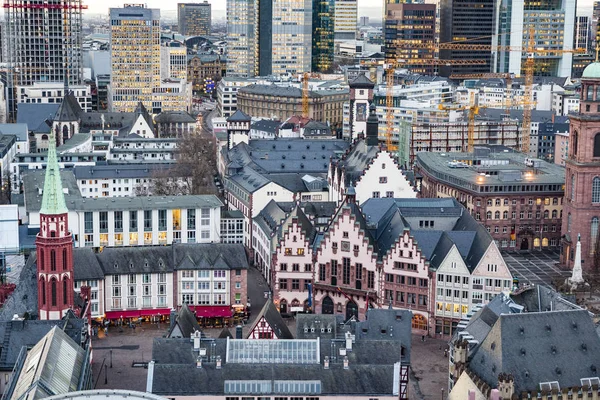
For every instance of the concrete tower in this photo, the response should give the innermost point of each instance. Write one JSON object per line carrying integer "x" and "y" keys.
{"x": 54, "y": 246}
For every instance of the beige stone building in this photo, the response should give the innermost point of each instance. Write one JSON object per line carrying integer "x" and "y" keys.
{"x": 202, "y": 66}
{"x": 271, "y": 101}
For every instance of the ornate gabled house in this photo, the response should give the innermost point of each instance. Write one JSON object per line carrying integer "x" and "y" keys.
{"x": 347, "y": 272}
{"x": 371, "y": 170}
{"x": 269, "y": 324}
{"x": 67, "y": 120}
{"x": 530, "y": 356}
{"x": 54, "y": 245}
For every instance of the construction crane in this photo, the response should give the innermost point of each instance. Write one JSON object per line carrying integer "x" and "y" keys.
{"x": 473, "y": 109}
{"x": 305, "y": 94}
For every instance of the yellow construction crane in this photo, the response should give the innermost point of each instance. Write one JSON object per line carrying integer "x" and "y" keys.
{"x": 305, "y": 94}
{"x": 473, "y": 109}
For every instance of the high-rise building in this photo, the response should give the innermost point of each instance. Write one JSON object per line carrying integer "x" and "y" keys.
{"x": 346, "y": 15}
{"x": 581, "y": 213}
{"x": 407, "y": 24}
{"x": 242, "y": 38}
{"x": 323, "y": 35}
{"x": 135, "y": 53}
{"x": 471, "y": 21}
{"x": 594, "y": 25}
{"x": 554, "y": 28}
{"x": 44, "y": 40}
{"x": 54, "y": 245}
{"x": 582, "y": 33}
{"x": 194, "y": 18}
{"x": 266, "y": 37}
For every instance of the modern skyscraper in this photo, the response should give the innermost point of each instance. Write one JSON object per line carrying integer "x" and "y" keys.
{"x": 554, "y": 23}
{"x": 322, "y": 36}
{"x": 54, "y": 245}
{"x": 242, "y": 38}
{"x": 594, "y": 25}
{"x": 581, "y": 203}
{"x": 471, "y": 21}
{"x": 408, "y": 24}
{"x": 44, "y": 40}
{"x": 346, "y": 15}
{"x": 135, "y": 56}
{"x": 268, "y": 37}
{"x": 582, "y": 33}
{"x": 194, "y": 18}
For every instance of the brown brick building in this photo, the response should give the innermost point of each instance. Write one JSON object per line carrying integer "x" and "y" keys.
{"x": 582, "y": 194}
{"x": 519, "y": 200}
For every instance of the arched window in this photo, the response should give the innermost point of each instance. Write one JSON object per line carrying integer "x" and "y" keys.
{"x": 573, "y": 187}
{"x": 505, "y": 215}
{"x": 545, "y": 242}
{"x": 52, "y": 260}
{"x": 64, "y": 257}
{"x": 65, "y": 133}
{"x": 569, "y": 222}
{"x": 41, "y": 259}
{"x": 497, "y": 215}
{"x": 43, "y": 285}
{"x": 546, "y": 214}
{"x": 64, "y": 290}
{"x": 44, "y": 137}
{"x": 597, "y": 145}
{"x": 590, "y": 93}
{"x": 53, "y": 292}
{"x": 554, "y": 213}
{"x": 596, "y": 190}
{"x": 488, "y": 215}
{"x": 593, "y": 235}
{"x": 575, "y": 140}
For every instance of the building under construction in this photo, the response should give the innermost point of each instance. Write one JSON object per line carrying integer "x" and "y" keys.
{"x": 44, "y": 40}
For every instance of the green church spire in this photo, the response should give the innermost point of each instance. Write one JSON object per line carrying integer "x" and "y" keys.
{"x": 53, "y": 200}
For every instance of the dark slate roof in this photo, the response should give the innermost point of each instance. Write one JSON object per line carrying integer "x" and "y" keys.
{"x": 36, "y": 115}
{"x": 266, "y": 125}
{"x": 174, "y": 117}
{"x": 357, "y": 161}
{"x": 86, "y": 265}
{"x": 312, "y": 326}
{"x": 274, "y": 90}
{"x": 274, "y": 319}
{"x": 209, "y": 256}
{"x": 16, "y": 334}
{"x": 551, "y": 346}
{"x": 186, "y": 321}
{"x": 225, "y": 333}
{"x": 121, "y": 171}
{"x": 481, "y": 242}
{"x": 239, "y": 116}
{"x": 141, "y": 110}
{"x": 361, "y": 81}
{"x": 135, "y": 260}
{"x": 19, "y": 130}
{"x": 387, "y": 324}
{"x": 24, "y": 298}
{"x": 69, "y": 109}
{"x": 543, "y": 298}
{"x": 370, "y": 371}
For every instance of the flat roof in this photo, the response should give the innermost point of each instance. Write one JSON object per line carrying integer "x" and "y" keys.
{"x": 498, "y": 171}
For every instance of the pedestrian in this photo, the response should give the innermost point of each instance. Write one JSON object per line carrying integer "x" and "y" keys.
{"x": 445, "y": 353}
{"x": 422, "y": 338}
{"x": 106, "y": 331}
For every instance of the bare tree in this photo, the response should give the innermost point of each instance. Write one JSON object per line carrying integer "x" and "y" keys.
{"x": 193, "y": 171}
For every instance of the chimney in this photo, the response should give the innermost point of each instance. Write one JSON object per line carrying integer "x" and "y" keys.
{"x": 372, "y": 127}
{"x": 348, "y": 341}
{"x": 471, "y": 395}
{"x": 172, "y": 318}
{"x": 238, "y": 332}
{"x": 198, "y": 362}
{"x": 326, "y": 363}
{"x": 461, "y": 352}
{"x": 506, "y": 386}
{"x": 346, "y": 366}
{"x": 196, "y": 338}
{"x": 495, "y": 395}
{"x": 218, "y": 362}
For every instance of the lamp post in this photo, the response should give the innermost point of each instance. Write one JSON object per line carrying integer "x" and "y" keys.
{"x": 111, "y": 358}
{"x": 105, "y": 374}
{"x": 442, "y": 393}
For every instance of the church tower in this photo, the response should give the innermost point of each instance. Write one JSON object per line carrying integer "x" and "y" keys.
{"x": 581, "y": 203}
{"x": 54, "y": 246}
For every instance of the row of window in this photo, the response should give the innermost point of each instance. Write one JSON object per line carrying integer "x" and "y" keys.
{"x": 132, "y": 302}
{"x": 295, "y": 284}
{"x": 406, "y": 280}
{"x": 147, "y": 220}
{"x": 221, "y": 285}
{"x": 133, "y": 278}
{"x": 522, "y": 215}
{"x": 530, "y": 201}
{"x": 207, "y": 299}
{"x": 133, "y": 238}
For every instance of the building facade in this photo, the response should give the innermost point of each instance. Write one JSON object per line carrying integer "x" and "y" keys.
{"x": 323, "y": 35}
{"x": 242, "y": 19}
{"x": 53, "y": 92}
{"x": 582, "y": 183}
{"x": 345, "y": 19}
{"x": 194, "y": 19}
{"x": 582, "y": 33}
{"x": 521, "y": 207}
{"x": 409, "y": 24}
{"x": 292, "y": 32}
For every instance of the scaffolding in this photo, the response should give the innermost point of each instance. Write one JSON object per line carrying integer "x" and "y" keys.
{"x": 44, "y": 43}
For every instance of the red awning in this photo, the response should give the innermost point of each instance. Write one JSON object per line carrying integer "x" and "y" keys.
{"x": 212, "y": 311}
{"x": 123, "y": 314}
{"x": 156, "y": 311}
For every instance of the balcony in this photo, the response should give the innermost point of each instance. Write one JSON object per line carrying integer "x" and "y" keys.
{"x": 477, "y": 287}
{"x": 477, "y": 301}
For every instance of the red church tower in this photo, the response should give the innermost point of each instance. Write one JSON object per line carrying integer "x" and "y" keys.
{"x": 581, "y": 205}
{"x": 54, "y": 246}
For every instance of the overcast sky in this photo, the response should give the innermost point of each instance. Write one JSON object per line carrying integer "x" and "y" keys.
{"x": 369, "y": 8}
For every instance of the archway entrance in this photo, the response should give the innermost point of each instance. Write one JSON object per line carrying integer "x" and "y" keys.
{"x": 525, "y": 244}
{"x": 351, "y": 310}
{"x": 283, "y": 307}
{"x": 327, "y": 306}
